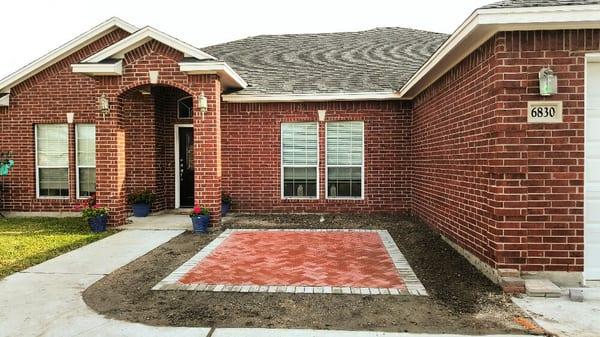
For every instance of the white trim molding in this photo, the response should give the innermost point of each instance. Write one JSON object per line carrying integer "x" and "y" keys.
{"x": 5, "y": 100}
{"x": 484, "y": 23}
{"x": 64, "y": 51}
{"x": 99, "y": 69}
{"x": 344, "y": 96}
{"x": 119, "y": 49}
{"x": 228, "y": 76}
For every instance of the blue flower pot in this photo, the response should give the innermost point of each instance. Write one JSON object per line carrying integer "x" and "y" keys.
{"x": 98, "y": 224}
{"x": 225, "y": 208}
{"x": 140, "y": 210}
{"x": 200, "y": 223}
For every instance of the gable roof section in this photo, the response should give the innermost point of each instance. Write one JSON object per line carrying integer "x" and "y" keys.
{"x": 63, "y": 51}
{"x": 503, "y": 16}
{"x": 333, "y": 66}
{"x": 108, "y": 62}
{"x": 119, "y": 49}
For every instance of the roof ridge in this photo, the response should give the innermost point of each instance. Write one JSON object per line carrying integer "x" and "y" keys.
{"x": 326, "y": 34}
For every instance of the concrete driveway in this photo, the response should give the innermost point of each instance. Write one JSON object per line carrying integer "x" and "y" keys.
{"x": 45, "y": 300}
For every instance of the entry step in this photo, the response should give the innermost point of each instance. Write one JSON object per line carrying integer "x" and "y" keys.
{"x": 541, "y": 288}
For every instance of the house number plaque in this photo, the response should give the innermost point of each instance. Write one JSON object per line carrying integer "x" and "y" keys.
{"x": 545, "y": 112}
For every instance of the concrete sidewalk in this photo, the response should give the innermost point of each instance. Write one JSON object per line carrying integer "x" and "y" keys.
{"x": 564, "y": 317}
{"x": 45, "y": 300}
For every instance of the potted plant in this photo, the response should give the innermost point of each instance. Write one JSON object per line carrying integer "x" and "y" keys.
{"x": 141, "y": 202}
{"x": 225, "y": 203}
{"x": 200, "y": 219}
{"x": 6, "y": 163}
{"x": 96, "y": 216}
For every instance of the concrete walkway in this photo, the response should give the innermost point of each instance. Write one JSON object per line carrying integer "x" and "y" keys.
{"x": 46, "y": 301}
{"x": 160, "y": 221}
{"x": 563, "y": 317}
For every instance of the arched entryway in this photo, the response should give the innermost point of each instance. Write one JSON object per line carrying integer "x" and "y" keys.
{"x": 159, "y": 152}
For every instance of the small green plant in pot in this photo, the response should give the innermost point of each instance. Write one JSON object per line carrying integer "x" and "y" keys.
{"x": 94, "y": 214}
{"x": 200, "y": 219}
{"x": 225, "y": 204}
{"x": 141, "y": 202}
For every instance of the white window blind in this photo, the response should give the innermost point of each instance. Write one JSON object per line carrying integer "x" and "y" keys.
{"x": 52, "y": 160}
{"x": 345, "y": 162}
{"x": 86, "y": 160}
{"x": 300, "y": 159}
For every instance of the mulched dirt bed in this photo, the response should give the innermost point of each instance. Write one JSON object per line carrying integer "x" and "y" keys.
{"x": 461, "y": 299}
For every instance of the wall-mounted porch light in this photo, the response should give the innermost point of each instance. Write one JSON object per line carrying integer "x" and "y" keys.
{"x": 70, "y": 117}
{"x": 103, "y": 105}
{"x": 202, "y": 104}
{"x": 548, "y": 82}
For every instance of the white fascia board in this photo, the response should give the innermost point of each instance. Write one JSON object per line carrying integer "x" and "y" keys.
{"x": 484, "y": 23}
{"x": 228, "y": 76}
{"x": 358, "y": 96}
{"x": 142, "y": 36}
{"x": 99, "y": 69}
{"x": 5, "y": 100}
{"x": 63, "y": 51}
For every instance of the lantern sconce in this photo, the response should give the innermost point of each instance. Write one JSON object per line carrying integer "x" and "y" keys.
{"x": 548, "y": 82}
{"x": 203, "y": 104}
{"x": 103, "y": 105}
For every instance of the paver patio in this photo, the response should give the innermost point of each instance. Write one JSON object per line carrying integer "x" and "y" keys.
{"x": 298, "y": 261}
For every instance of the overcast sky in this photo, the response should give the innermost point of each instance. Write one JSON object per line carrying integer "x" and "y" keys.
{"x": 33, "y": 28}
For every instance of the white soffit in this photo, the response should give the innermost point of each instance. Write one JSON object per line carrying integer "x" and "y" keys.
{"x": 63, "y": 51}
{"x": 4, "y": 100}
{"x": 119, "y": 49}
{"x": 99, "y": 69}
{"x": 228, "y": 76}
{"x": 321, "y": 97}
{"x": 484, "y": 23}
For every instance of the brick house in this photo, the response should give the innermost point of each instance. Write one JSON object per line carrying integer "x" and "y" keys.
{"x": 442, "y": 128}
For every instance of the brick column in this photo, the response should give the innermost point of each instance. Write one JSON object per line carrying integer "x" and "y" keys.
{"x": 110, "y": 162}
{"x": 207, "y": 147}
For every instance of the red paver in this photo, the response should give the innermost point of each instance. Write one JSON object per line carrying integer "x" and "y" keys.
{"x": 340, "y": 259}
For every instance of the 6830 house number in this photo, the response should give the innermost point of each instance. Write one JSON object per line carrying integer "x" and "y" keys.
{"x": 544, "y": 112}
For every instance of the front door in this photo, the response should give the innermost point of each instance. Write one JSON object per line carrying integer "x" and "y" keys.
{"x": 186, "y": 167}
{"x": 592, "y": 173}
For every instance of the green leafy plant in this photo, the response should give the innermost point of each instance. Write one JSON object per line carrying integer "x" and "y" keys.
{"x": 226, "y": 199}
{"x": 90, "y": 208}
{"x": 199, "y": 211}
{"x": 142, "y": 197}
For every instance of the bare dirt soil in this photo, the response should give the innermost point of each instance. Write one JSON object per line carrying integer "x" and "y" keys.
{"x": 461, "y": 299}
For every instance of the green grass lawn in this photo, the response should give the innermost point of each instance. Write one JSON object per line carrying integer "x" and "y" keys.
{"x": 25, "y": 242}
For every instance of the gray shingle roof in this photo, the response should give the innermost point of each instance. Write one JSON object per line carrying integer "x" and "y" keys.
{"x": 539, "y": 3}
{"x": 376, "y": 60}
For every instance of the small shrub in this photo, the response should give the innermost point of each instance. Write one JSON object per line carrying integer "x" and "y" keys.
{"x": 142, "y": 197}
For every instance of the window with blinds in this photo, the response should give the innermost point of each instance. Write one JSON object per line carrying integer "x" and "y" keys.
{"x": 345, "y": 162}
{"x": 86, "y": 159}
{"x": 52, "y": 160}
{"x": 299, "y": 159}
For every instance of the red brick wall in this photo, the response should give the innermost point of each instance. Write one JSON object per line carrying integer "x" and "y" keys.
{"x": 509, "y": 192}
{"x": 46, "y": 98}
{"x": 252, "y": 145}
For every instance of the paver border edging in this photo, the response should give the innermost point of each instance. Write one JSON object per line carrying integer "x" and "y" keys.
{"x": 412, "y": 283}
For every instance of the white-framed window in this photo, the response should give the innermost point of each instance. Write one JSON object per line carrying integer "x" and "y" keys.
{"x": 52, "y": 160}
{"x": 85, "y": 147}
{"x": 185, "y": 107}
{"x": 300, "y": 160}
{"x": 345, "y": 160}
